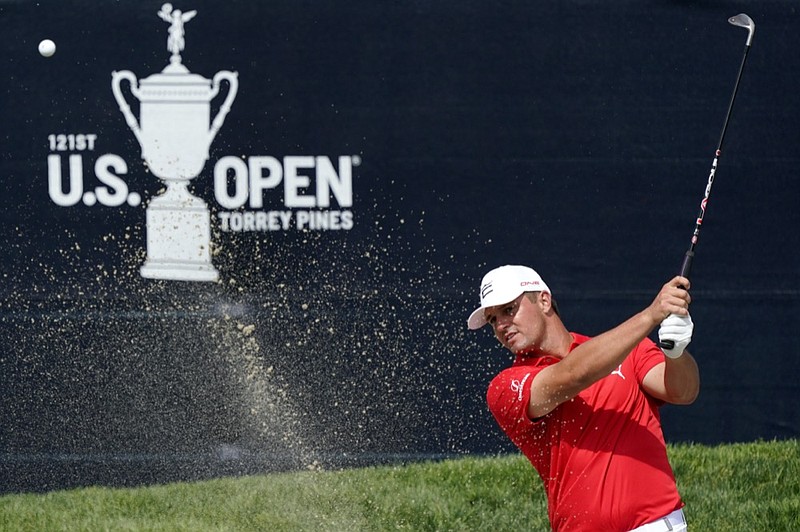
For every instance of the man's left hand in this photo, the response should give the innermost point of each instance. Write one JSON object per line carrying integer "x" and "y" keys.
{"x": 679, "y": 330}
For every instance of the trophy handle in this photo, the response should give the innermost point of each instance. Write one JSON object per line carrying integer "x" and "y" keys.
{"x": 233, "y": 81}
{"x": 116, "y": 79}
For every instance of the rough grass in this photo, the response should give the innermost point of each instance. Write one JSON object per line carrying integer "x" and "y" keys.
{"x": 754, "y": 486}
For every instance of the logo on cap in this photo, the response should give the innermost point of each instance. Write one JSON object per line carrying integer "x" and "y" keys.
{"x": 486, "y": 290}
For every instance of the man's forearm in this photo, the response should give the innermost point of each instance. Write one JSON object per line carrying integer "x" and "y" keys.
{"x": 681, "y": 379}
{"x": 598, "y": 357}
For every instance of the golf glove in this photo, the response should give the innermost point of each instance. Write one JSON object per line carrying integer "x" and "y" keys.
{"x": 679, "y": 330}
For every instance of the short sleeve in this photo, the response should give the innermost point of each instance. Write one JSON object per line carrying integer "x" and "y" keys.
{"x": 645, "y": 357}
{"x": 509, "y": 394}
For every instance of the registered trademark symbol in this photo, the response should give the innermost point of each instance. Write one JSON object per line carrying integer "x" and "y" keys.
{"x": 356, "y": 160}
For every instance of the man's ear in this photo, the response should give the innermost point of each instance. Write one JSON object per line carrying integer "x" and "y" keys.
{"x": 545, "y": 301}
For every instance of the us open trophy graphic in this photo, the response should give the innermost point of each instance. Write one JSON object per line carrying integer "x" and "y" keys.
{"x": 175, "y": 132}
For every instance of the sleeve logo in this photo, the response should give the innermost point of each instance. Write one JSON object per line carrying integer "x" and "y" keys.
{"x": 518, "y": 386}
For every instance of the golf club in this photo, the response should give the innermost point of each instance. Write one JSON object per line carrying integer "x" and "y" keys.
{"x": 743, "y": 21}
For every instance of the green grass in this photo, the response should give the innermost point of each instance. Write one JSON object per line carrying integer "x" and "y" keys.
{"x": 754, "y": 486}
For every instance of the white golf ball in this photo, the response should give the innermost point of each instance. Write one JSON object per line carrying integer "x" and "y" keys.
{"x": 47, "y": 48}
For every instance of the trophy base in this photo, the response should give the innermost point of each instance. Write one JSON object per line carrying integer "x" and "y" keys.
{"x": 179, "y": 271}
{"x": 178, "y": 240}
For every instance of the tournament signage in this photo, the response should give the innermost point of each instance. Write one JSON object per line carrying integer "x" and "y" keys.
{"x": 175, "y": 128}
{"x": 148, "y": 145}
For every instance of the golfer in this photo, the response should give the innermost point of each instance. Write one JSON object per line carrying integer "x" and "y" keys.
{"x": 585, "y": 411}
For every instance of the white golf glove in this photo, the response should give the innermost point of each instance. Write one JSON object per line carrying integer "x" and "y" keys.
{"x": 678, "y": 329}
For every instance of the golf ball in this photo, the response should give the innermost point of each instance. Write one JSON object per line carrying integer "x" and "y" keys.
{"x": 47, "y": 48}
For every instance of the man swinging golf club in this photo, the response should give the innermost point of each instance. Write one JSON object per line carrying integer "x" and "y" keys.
{"x": 585, "y": 411}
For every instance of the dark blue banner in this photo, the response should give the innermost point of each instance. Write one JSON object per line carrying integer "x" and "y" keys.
{"x": 245, "y": 236}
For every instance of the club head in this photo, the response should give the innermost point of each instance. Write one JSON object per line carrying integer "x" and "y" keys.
{"x": 744, "y": 21}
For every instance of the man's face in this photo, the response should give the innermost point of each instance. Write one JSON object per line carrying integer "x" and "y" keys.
{"x": 519, "y": 324}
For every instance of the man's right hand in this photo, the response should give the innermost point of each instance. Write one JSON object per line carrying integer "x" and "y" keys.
{"x": 673, "y": 298}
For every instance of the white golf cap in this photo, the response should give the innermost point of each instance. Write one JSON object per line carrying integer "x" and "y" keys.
{"x": 503, "y": 285}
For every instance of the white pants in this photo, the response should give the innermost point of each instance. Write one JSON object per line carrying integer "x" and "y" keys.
{"x": 674, "y": 522}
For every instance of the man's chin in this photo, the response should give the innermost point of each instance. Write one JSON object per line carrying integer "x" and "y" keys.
{"x": 525, "y": 351}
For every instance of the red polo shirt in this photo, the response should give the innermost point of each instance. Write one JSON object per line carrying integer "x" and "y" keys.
{"x": 601, "y": 455}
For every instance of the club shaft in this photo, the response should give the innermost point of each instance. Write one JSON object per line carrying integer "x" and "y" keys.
{"x": 686, "y": 265}
{"x": 733, "y": 99}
